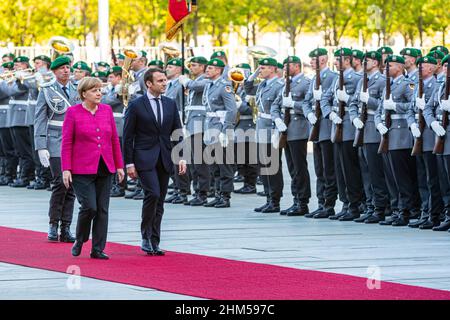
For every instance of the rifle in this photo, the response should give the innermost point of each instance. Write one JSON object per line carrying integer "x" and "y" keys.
{"x": 384, "y": 143}
{"x": 315, "y": 131}
{"x": 359, "y": 136}
{"x": 439, "y": 146}
{"x": 113, "y": 56}
{"x": 418, "y": 143}
{"x": 287, "y": 114}
{"x": 339, "y": 127}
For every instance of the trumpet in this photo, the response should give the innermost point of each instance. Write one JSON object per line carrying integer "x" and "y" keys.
{"x": 11, "y": 76}
{"x": 236, "y": 76}
{"x": 127, "y": 77}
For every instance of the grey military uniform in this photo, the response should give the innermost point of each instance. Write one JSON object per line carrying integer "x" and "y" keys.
{"x": 112, "y": 99}
{"x": 375, "y": 87}
{"x": 195, "y": 111}
{"x": 50, "y": 112}
{"x": 266, "y": 93}
{"x": 399, "y": 135}
{"x": 32, "y": 100}
{"x": 138, "y": 85}
{"x": 4, "y": 104}
{"x": 428, "y": 136}
{"x": 298, "y": 128}
{"x": 221, "y": 109}
{"x": 330, "y": 103}
{"x": 175, "y": 92}
{"x": 327, "y": 78}
{"x": 18, "y": 105}
{"x": 245, "y": 122}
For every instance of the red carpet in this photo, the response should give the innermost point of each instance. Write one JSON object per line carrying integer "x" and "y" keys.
{"x": 197, "y": 275}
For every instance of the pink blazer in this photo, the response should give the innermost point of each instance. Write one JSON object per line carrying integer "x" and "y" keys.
{"x": 86, "y": 137}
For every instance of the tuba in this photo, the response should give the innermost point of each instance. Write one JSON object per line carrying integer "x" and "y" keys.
{"x": 260, "y": 52}
{"x": 60, "y": 46}
{"x": 236, "y": 76}
{"x": 170, "y": 51}
{"x": 127, "y": 77}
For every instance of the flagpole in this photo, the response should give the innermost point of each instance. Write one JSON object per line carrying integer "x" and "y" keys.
{"x": 182, "y": 72}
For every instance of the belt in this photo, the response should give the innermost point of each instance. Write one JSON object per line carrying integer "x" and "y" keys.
{"x": 336, "y": 109}
{"x": 22, "y": 102}
{"x": 32, "y": 102}
{"x": 295, "y": 112}
{"x": 264, "y": 115}
{"x": 439, "y": 117}
{"x": 218, "y": 114}
{"x": 398, "y": 116}
{"x": 55, "y": 123}
{"x": 246, "y": 117}
{"x": 369, "y": 111}
{"x": 4, "y": 107}
{"x": 117, "y": 114}
{"x": 195, "y": 108}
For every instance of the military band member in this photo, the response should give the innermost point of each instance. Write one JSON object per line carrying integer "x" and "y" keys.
{"x": 266, "y": 92}
{"x": 195, "y": 114}
{"x": 372, "y": 98}
{"x": 53, "y": 100}
{"x": 357, "y": 61}
{"x": 120, "y": 60}
{"x": 80, "y": 71}
{"x": 245, "y": 138}
{"x": 113, "y": 98}
{"x": 297, "y": 130}
{"x": 8, "y": 57}
{"x": 221, "y": 55}
{"x": 347, "y": 154}
{"x": 102, "y": 67}
{"x": 400, "y": 140}
{"x": 6, "y": 142}
{"x": 175, "y": 91}
{"x": 221, "y": 111}
{"x": 18, "y": 122}
{"x": 156, "y": 64}
{"x": 433, "y": 112}
{"x": 323, "y": 148}
{"x": 430, "y": 215}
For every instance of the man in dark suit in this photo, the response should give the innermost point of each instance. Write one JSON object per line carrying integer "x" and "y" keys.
{"x": 150, "y": 121}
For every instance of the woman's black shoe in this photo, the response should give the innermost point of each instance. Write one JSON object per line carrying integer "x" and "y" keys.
{"x": 76, "y": 248}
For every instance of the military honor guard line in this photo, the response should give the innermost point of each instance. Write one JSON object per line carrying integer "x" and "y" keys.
{"x": 378, "y": 127}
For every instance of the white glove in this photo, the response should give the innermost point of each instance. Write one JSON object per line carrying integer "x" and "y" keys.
{"x": 420, "y": 103}
{"x": 133, "y": 88}
{"x": 415, "y": 130}
{"x": 382, "y": 129}
{"x": 389, "y": 104}
{"x": 281, "y": 126}
{"x": 44, "y": 157}
{"x": 445, "y": 105}
{"x": 275, "y": 139}
{"x": 184, "y": 80}
{"x": 248, "y": 98}
{"x": 238, "y": 101}
{"x": 254, "y": 75}
{"x": 317, "y": 94}
{"x": 364, "y": 96}
{"x": 438, "y": 129}
{"x": 335, "y": 118}
{"x": 185, "y": 133}
{"x": 118, "y": 89}
{"x": 312, "y": 118}
{"x": 358, "y": 123}
{"x": 223, "y": 140}
{"x": 288, "y": 102}
{"x": 342, "y": 95}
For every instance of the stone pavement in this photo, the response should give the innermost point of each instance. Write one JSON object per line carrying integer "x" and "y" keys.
{"x": 403, "y": 255}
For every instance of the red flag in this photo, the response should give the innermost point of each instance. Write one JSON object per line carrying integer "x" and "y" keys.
{"x": 177, "y": 13}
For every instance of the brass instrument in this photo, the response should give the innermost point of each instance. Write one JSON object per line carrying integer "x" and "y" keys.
{"x": 11, "y": 76}
{"x": 60, "y": 46}
{"x": 260, "y": 52}
{"x": 170, "y": 51}
{"x": 236, "y": 76}
{"x": 127, "y": 77}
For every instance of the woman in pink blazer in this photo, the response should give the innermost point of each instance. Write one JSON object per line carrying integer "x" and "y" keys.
{"x": 90, "y": 155}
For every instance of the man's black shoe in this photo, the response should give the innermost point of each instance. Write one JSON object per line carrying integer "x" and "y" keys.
{"x": 387, "y": 222}
{"x": 19, "y": 183}
{"x": 131, "y": 195}
{"x": 140, "y": 195}
{"x": 259, "y": 209}
{"x": 246, "y": 190}
{"x": 41, "y": 185}
{"x": 415, "y": 214}
{"x": 418, "y": 223}
{"x": 53, "y": 232}
{"x": 223, "y": 203}
{"x": 374, "y": 218}
{"x": 271, "y": 208}
{"x": 99, "y": 255}
{"x": 238, "y": 178}
{"x": 76, "y": 248}
{"x": 363, "y": 218}
{"x": 400, "y": 222}
{"x": 212, "y": 203}
{"x": 349, "y": 216}
{"x": 325, "y": 213}
{"x": 116, "y": 193}
{"x": 299, "y": 211}
{"x": 147, "y": 247}
{"x": 429, "y": 224}
{"x": 291, "y": 208}
{"x": 198, "y": 201}
{"x": 158, "y": 251}
{"x": 261, "y": 194}
{"x": 65, "y": 235}
{"x": 444, "y": 226}
{"x": 182, "y": 198}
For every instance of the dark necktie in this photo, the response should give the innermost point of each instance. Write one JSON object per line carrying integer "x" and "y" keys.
{"x": 66, "y": 92}
{"x": 158, "y": 110}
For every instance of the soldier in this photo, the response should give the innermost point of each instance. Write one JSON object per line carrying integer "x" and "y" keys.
{"x": 297, "y": 129}
{"x": 194, "y": 130}
{"x": 7, "y": 153}
{"x": 156, "y": 64}
{"x": 280, "y": 71}
{"x": 357, "y": 61}
{"x": 323, "y": 148}
{"x": 102, "y": 67}
{"x": 223, "y": 57}
{"x": 53, "y": 100}
{"x": 433, "y": 113}
{"x": 266, "y": 92}
{"x": 8, "y": 57}
{"x": 175, "y": 91}
{"x": 438, "y": 56}
{"x": 430, "y": 215}
{"x": 400, "y": 140}
{"x": 385, "y": 52}
{"x": 120, "y": 60}
{"x": 80, "y": 71}
{"x": 245, "y": 139}
{"x": 18, "y": 104}
{"x": 372, "y": 98}
{"x": 221, "y": 111}
{"x": 347, "y": 154}
{"x": 112, "y": 97}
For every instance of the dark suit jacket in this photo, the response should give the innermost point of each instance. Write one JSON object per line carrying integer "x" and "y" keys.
{"x": 144, "y": 139}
